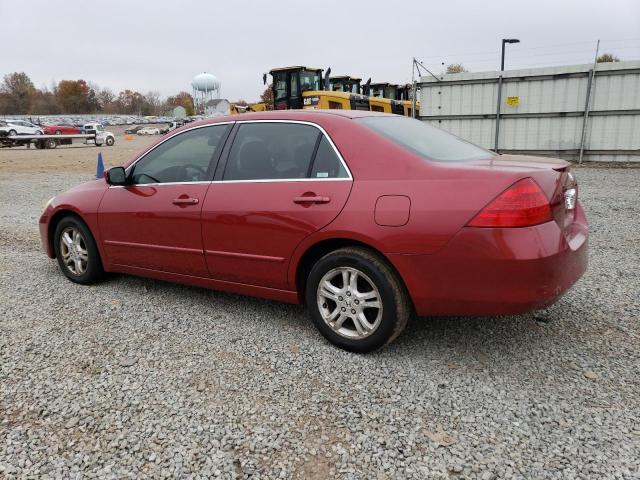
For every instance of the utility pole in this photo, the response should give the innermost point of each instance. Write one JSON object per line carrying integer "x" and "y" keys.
{"x": 415, "y": 67}
{"x": 587, "y": 104}
{"x": 504, "y": 42}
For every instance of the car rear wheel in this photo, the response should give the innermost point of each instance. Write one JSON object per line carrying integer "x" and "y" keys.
{"x": 12, "y": 133}
{"x": 76, "y": 251}
{"x": 356, "y": 299}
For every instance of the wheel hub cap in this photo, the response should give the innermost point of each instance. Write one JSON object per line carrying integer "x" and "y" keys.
{"x": 73, "y": 250}
{"x": 349, "y": 302}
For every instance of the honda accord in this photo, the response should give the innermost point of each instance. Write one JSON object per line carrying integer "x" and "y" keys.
{"x": 367, "y": 218}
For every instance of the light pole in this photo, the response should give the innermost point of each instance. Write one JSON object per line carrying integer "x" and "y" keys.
{"x": 504, "y": 42}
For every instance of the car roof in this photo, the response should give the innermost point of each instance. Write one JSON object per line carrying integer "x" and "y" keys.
{"x": 299, "y": 115}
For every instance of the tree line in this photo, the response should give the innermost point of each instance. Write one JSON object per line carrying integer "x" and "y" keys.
{"x": 18, "y": 96}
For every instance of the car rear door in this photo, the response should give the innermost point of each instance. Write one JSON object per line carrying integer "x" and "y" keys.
{"x": 154, "y": 223}
{"x": 279, "y": 182}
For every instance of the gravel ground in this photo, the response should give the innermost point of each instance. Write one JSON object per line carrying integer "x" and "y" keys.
{"x": 137, "y": 378}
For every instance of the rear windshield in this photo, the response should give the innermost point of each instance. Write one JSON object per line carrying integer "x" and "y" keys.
{"x": 425, "y": 140}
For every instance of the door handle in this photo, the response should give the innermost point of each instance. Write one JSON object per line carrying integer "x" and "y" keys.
{"x": 185, "y": 201}
{"x": 312, "y": 199}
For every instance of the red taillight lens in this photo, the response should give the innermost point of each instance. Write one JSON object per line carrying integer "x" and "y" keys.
{"x": 521, "y": 205}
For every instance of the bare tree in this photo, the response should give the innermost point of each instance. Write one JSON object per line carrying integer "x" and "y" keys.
{"x": 154, "y": 102}
{"x": 267, "y": 97}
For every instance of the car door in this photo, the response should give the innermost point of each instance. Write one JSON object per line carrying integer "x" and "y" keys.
{"x": 154, "y": 223}
{"x": 280, "y": 182}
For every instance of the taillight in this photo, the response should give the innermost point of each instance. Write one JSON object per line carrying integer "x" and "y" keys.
{"x": 521, "y": 205}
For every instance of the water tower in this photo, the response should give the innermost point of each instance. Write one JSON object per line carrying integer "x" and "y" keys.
{"x": 205, "y": 87}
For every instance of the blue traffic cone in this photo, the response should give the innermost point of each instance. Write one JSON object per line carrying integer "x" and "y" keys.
{"x": 100, "y": 169}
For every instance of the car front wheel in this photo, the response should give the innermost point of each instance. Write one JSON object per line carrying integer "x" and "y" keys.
{"x": 356, "y": 299}
{"x": 76, "y": 251}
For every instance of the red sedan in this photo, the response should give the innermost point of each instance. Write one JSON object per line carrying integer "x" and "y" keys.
{"x": 61, "y": 130}
{"x": 366, "y": 218}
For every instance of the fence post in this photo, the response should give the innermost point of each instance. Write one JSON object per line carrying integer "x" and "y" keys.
{"x": 498, "y": 113}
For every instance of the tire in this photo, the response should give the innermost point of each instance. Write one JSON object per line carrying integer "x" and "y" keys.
{"x": 58, "y": 132}
{"x": 51, "y": 143}
{"x": 375, "y": 280}
{"x": 110, "y": 141}
{"x": 88, "y": 269}
{"x": 13, "y": 133}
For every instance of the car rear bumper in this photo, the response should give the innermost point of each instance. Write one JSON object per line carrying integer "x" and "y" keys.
{"x": 497, "y": 271}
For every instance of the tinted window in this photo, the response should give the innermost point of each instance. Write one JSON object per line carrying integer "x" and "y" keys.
{"x": 309, "y": 81}
{"x": 280, "y": 85}
{"x": 270, "y": 151}
{"x": 327, "y": 164}
{"x": 425, "y": 140}
{"x": 183, "y": 158}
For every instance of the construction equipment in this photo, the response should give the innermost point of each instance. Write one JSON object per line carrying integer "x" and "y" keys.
{"x": 345, "y": 83}
{"x": 399, "y": 96}
{"x": 304, "y": 87}
{"x": 235, "y": 108}
{"x": 301, "y": 87}
{"x": 382, "y": 98}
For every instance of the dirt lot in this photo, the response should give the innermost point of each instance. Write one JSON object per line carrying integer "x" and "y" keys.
{"x": 136, "y": 378}
{"x": 76, "y": 157}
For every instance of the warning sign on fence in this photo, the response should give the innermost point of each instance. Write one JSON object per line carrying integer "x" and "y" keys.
{"x": 513, "y": 101}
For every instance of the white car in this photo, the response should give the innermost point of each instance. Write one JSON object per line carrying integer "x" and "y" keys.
{"x": 149, "y": 131}
{"x": 21, "y": 127}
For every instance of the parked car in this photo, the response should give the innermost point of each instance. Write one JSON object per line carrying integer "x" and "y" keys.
{"x": 61, "y": 129}
{"x": 133, "y": 130}
{"x": 22, "y": 127}
{"x": 366, "y": 218}
{"x": 149, "y": 131}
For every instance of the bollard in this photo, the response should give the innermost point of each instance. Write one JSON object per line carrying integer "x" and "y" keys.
{"x": 100, "y": 168}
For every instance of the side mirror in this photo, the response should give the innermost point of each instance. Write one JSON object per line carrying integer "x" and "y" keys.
{"x": 116, "y": 176}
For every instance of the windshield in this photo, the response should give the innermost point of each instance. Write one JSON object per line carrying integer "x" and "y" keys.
{"x": 309, "y": 81}
{"x": 429, "y": 142}
{"x": 280, "y": 85}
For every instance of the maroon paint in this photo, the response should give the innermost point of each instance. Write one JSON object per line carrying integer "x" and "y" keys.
{"x": 249, "y": 237}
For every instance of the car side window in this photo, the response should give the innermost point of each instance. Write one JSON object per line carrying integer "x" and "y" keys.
{"x": 326, "y": 163}
{"x": 185, "y": 157}
{"x": 271, "y": 151}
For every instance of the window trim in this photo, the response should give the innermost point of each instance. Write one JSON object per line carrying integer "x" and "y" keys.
{"x": 222, "y": 163}
{"x": 210, "y": 170}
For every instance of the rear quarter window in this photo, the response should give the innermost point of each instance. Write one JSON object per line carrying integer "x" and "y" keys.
{"x": 429, "y": 142}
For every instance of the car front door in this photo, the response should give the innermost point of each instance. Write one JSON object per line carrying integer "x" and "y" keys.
{"x": 281, "y": 182}
{"x": 154, "y": 223}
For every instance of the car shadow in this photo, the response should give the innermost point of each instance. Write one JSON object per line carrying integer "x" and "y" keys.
{"x": 461, "y": 339}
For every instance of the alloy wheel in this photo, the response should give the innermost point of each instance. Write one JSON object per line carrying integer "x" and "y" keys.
{"x": 349, "y": 302}
{"x": 73, "y": 249}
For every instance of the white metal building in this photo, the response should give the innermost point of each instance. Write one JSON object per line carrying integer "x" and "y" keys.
{"x": 542, "y": 110}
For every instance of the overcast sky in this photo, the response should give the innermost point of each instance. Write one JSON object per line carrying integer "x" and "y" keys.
{"x": 160, "y": 45}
